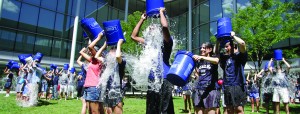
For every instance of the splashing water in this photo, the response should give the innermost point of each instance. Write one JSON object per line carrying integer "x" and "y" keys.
{"x": 110, "y": 79}
{"x": 32, "y": 95}
{"x": 280, "y": 80}
{"x": 150, "y": 60}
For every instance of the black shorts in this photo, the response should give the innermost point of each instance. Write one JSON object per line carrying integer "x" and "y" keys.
{"x": 167, "y": 105}
{"x": 235, "y": 96}
{"x": 206, "y": 99}
{"x": 267, "y": 97}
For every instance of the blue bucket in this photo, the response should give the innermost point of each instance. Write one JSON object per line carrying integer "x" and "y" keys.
{"x": 181, "y": 68}
{"x": 153, "y": 6}
{"x": 266, "y": 65}
{"x": 91, "y": 27}
{"x": 224, "y": 27}
{"x": 66, "y": 66}
{"x": 10, "y": 63}
{"x": 72, "y": 70}
{"x": 15, "y": 66}
{"x": 53, "y": 66}
{"x": 22, "y": 58}
{"x": 278, "y": 54}
{"x": 38, "y": 56}
{"x": 113, "y": 32}
{"x": 85, "y": 36}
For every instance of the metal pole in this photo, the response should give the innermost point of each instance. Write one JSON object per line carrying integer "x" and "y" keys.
{"x": 1, "y": 2}
{"x": 126, "y": 10}
{"x": 190, "y": 26}
{"x": 74, "y": 38}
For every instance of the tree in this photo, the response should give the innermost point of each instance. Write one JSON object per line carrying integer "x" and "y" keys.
{"x": 265, "y": 23}
{"x": 131, "y": 47}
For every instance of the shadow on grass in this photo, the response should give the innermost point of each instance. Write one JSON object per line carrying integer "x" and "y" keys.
{"x": 44, "y": 103}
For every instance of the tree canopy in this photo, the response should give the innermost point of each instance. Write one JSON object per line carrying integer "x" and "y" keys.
{"x": 265, "y": 23}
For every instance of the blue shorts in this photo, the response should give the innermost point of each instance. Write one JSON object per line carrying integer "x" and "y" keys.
{"x": 254, "y": 95}
{"x": 91, "y": 94}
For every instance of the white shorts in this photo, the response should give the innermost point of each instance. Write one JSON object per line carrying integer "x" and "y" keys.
{"x": 282, "y": 93}
{"x": 63, "y": 88}
{"x": 188, "y": 92}
{"x": 71, "y": 88}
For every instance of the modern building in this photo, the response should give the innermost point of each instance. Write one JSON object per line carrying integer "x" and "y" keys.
{"x": 47, "y": 26}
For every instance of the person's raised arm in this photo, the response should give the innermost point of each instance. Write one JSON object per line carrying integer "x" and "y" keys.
{"x": 248, "y": 76}
{"x": 269, "y": 66}
{"x": 118, "y": 51}
{"x": 79, "y": 62}
{"x": 165, "y": 26}
{"x": 98, "y": 54}
{"x": 261, "y": 71}
{"x": 241, "y": 43}
{"x": 135, "y": 32}
{"x": 288, "y": 66}
{"x": 84, "y": 55}
{"x": 91, "y": 45}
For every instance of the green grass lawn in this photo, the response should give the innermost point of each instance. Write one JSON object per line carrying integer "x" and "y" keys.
{"x": 133, "y": 105}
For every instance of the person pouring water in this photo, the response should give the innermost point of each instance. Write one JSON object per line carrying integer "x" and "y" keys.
{"x": 165, "y": 103}
{"x": 233, "y": 61}
{"x": 280, "y": 84}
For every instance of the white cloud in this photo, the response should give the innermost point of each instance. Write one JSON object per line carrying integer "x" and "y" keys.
{"x": 10, "y": 6}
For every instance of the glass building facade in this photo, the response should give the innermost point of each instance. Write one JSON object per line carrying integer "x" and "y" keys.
{"x": 46, "y": 26}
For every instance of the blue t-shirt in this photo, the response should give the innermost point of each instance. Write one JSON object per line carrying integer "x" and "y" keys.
{"x": 83, "y": 70}
{"x": 167, "y": 50}
{"x": 208, "y": 75}
{"x": 55, "y": 80}
{"x": 80, "y": 82}
{"x": 233, "y": 67}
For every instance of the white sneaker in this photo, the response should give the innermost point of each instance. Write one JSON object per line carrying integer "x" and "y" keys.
{"x": 7, "y": 95}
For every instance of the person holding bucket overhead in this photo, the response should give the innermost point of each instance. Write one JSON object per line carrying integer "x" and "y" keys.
{"x": 166, "y": 101}
{"x": 111, "y": 78}
{"x": 206, "y": 96}
{"x": 280, "y": 83}
{"x": 233, "y": 61}
{"x": 91, "y": 93}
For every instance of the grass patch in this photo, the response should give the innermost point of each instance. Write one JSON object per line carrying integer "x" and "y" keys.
{"x": 132, "y": 105}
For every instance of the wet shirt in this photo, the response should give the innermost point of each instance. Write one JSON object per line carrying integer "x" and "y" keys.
{"x": 114, "y": 83}
{"x": 63, "y": 80}
{"x": 279, "y": 79}
{"x": 208, "y": 75}
{"x": 233, "y": 67}
{"x": 167, "y": 49}
{"x": 253, "y": 88}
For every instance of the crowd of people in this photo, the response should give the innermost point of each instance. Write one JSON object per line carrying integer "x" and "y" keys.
{"x": 100, "y": 87}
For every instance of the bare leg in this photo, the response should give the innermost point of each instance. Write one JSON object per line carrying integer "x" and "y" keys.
{"x": 84, "y": 106}
{"x": 94, "y": 107}
{"x": 257, "y": 104}
{"x": 277, "y": 106}
{"x": 239, "y": 110}
{"x": 211, "y": 111}
{"x": 199, "y": 110}
{"x": 286, "y": 106}
{"x": 252, "y": 104}
{"x": 118, "y": 109}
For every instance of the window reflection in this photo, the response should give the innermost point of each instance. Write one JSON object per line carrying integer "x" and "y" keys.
{"x": 25, "y": 42}
{"x": 46, "y": 22}
{"x": 49, "y": 4}
{"x": 215, "y": 9}
{"x": 7, "y": 39}
{"x": 43, "y": 45}
{"x": 28, "y": 17}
